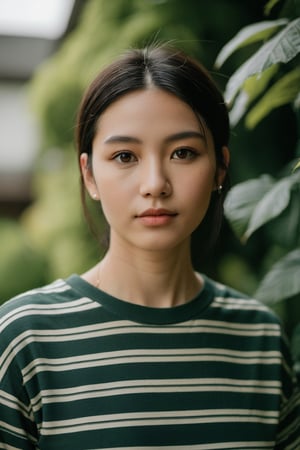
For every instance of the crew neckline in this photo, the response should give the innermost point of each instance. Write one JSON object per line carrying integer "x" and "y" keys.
{"x": 145, "y": 314}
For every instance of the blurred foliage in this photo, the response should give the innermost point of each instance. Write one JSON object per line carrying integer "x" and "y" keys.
{"x": 20, "y": 254}
{"x": 55, "y": 221}
{"x": 268, "y": 79}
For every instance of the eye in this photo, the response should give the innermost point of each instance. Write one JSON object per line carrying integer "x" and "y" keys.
{"x": 184, "y": 153}
{"x": 125, "y": 157}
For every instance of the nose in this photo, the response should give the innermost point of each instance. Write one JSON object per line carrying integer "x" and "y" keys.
{"x": 154, "y": 180}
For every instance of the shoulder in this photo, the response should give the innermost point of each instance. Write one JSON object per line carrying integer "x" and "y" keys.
{"x": 232, "y": 303}
{"x": 57, "y": 291}
{"x": 38, "y": 317}
{"x": 40, "y": 308}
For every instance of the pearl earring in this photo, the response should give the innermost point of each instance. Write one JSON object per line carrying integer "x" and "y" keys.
{"x": 220, "y": 189}
{"x": 95, "y": 196}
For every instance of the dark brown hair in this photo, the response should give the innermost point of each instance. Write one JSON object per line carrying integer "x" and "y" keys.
{"x": 173, "y": 71}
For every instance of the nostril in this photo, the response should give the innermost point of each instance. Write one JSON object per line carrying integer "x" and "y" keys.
{"x": 155, "y": 184}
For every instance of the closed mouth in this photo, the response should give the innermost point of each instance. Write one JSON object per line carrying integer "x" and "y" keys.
{"x": 157, "y": 212}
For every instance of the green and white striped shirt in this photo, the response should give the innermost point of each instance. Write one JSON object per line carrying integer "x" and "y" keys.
{"x": 83, "y": 370}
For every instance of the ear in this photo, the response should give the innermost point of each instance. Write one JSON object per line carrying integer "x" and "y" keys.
{"x": 88, "y": 177}
{"x": 222, "y": 170}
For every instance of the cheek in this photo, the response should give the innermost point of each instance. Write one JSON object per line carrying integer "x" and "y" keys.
{"x": 198, "y": 191}
{"x": 200, "y": 196}
{"x": 113, "y": 199}
{"x": 201, "y": 182}
{"x": 108, "y": 197}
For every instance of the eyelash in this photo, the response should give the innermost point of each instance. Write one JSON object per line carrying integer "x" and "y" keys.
{"x": 192, "y": 153}
{"x": 126, "y": 154}
{"x": 189, "y": 153}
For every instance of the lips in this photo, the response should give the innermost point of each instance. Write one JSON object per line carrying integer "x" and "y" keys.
{"x": 156, "y": 217}
{"x": 152, "y": 212}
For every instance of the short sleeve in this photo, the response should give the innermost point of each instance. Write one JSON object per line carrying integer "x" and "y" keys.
{"x": 288, "y": 435}
{"x": 17, "y": 427}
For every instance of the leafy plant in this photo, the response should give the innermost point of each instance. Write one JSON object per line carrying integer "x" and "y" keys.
{"x": 19, "y": 253}
{"x": 281, "y": 48}
{"x": 269, "y": 79}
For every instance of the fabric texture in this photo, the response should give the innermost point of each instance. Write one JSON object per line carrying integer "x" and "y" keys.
{"x": 83, "y": 370}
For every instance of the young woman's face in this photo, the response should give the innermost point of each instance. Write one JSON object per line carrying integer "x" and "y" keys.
{"x": 153, "y": 170}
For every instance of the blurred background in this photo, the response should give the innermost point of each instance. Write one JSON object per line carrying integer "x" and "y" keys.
{"x": 49, "y": 52}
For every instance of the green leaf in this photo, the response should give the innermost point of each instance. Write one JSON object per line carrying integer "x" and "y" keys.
{"x": 248, "y": 35}
{"x": 239, "y": 108}
{"x": 242, "y": 200}
{"x": 284, "y": 46}
{"x": 253, "y": 86}
{"x": 282, "y": 281}
{"x": 271, "y": 204}
{"x": 289, "y": 221}
{"x": 283, "y": 92}
{"x": 269, "y": 6}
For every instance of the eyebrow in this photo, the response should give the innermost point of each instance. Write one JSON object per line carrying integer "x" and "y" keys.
{"x": 169, "y": 139}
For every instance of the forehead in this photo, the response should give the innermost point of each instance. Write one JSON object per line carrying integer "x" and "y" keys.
{"x": 151, "y": 109}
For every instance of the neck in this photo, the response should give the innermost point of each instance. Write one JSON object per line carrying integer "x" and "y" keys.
{"x": 155, "y": 279}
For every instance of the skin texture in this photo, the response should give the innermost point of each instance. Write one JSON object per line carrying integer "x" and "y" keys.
{"x": 151, "y": 152}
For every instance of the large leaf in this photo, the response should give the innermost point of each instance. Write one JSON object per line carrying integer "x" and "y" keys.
{"x": 248, "y": 35}
{"x": 242, "y": 200}
{"x": 253, "y": 86}
{"x": 289, "y": 221}
{"x": 272, "y": 203}
{"x": 239, "y": 108}
{"x": 280, "y": 49}
{"x": 282, "y": 281}
{"x": 281, "y": 93}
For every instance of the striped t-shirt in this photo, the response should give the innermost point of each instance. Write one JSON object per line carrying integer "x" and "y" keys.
{"x": 81, "y": 369}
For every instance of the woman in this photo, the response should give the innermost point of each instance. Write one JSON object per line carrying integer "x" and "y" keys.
{"x": 142, "y": 351}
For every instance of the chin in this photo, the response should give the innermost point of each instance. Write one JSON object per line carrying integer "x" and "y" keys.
{"x": 161, "y": 244}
